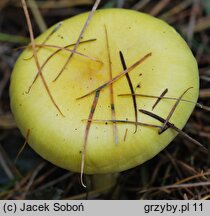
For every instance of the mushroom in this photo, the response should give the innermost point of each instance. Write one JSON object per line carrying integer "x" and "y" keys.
{"x": 122, "y": 52}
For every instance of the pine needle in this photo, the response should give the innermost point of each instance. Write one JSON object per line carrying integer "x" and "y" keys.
{"x": 162, "y": 120}
{"x": 159, "y": 98}
{"x": 23, "y": 146}
{"x": 93, "y": 107}
{"x": 131, "y": 89}
{"x": 35, "y": 55}
{"x": 69, "y": 50}
{"x": 46, "y": 39}
{"x": 118, "y": 76}
{"x": 111, "y": 88}
{"x": 125, "y": 135}
{"x": 97, "y": 2}
{"x": 206, "y": 108}
{"x": 199, "y": 175}
{"x": 122, "y": 122}
{"x": 56, "y": 52}
{"x": 172, "y": 111}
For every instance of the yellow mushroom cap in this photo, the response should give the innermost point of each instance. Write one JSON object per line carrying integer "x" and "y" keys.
{"x": 61, "y": 139}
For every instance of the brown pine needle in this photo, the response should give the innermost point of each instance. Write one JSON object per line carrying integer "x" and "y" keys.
{"x": 162, "y": 120}
{"x": 159, "y": 98}
{"x": 172, "y": 111}
{"x": 56, "y": 52}
{"x": 125, "y": 135}
{"x": 111, "y": 87}
{"x": 35, "y": 55}
{"x": 46, "y": 39}
{"x": 97, "y": 2}
{"x": 65, "y": 48}
{"x": 205, "y": 197}
{"x": 174, "y": 186}
{"x": 206, "y": 108}
{"x": 53, "y": 46}
{"x": 93, "y": 107}
{"x": 23, "y": 146}
{"x": 118, "y": 76}
{"x": 122, "y": 122}
{"x": 131, "y": 89}
{"x": 199, "y": 175}
{"x": 69, "y": 50}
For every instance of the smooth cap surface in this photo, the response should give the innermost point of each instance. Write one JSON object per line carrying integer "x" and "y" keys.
{"x": 60, "y": 139}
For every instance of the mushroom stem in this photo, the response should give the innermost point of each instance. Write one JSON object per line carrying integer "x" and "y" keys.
{"x": 106, "y": 181}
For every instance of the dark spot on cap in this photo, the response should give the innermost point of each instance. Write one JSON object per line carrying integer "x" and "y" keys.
{"x": 60, "y": 36}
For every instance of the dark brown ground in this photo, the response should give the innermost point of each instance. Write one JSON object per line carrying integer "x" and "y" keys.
{"x": 181, "y": 171}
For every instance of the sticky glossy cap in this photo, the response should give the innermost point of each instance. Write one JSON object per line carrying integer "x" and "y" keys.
{"x": 60, "y": 139}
